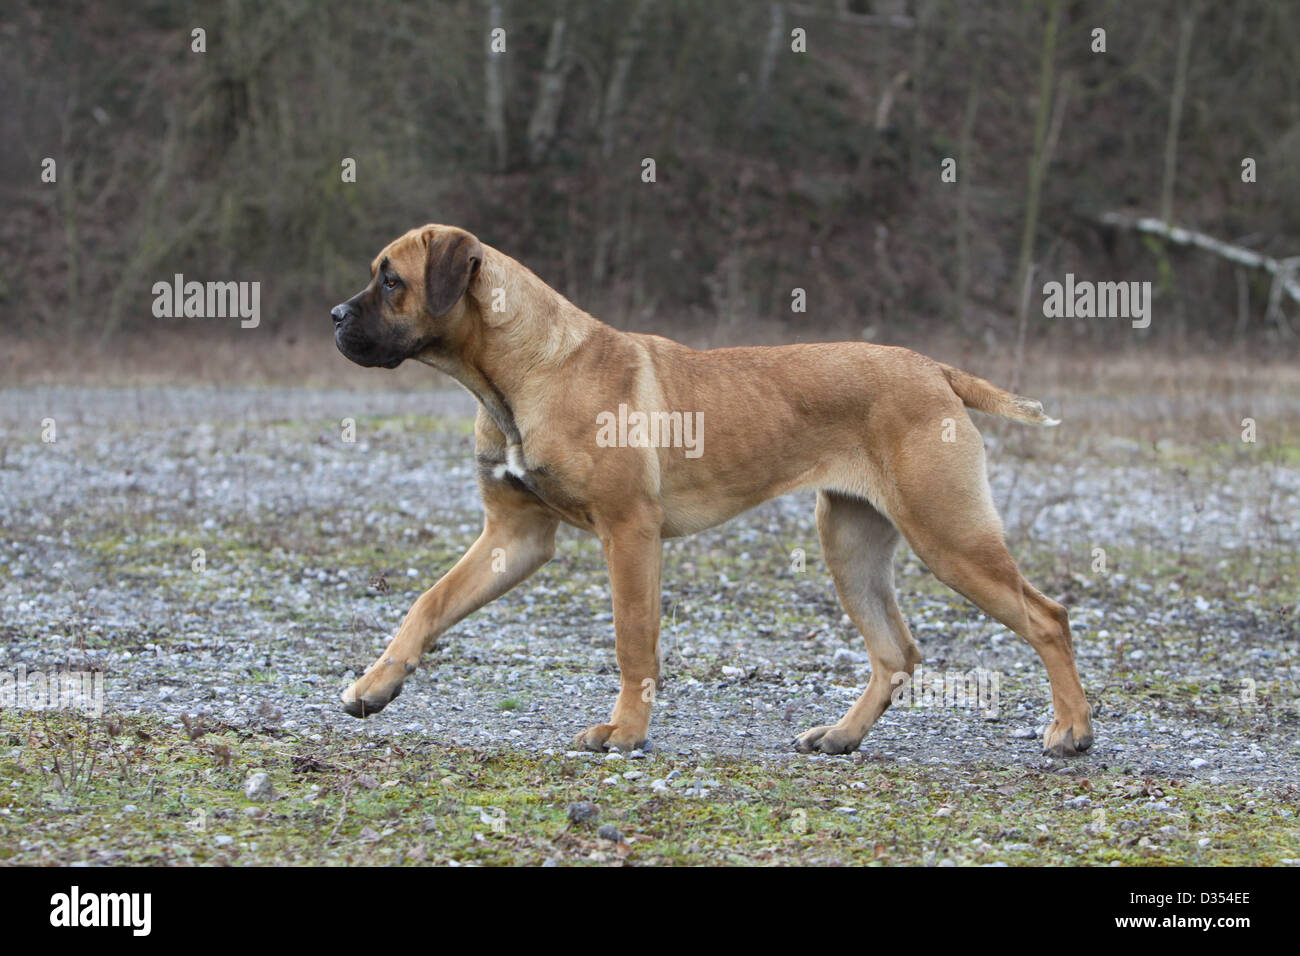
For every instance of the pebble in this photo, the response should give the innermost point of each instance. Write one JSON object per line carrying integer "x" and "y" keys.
{"x": 583, "y": 811}
{"x": 282, "y": 474}
{"x": 258, "y": 787}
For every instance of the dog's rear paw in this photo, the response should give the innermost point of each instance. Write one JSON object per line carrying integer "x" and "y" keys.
{"x": 827, "y": 740}
{"x": 1062, "y": 741}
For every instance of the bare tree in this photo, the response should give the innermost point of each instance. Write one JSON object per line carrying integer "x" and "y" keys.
{"x": 550, "y": 93}
{"x": 767, "y": 66}
{"x": 629, "y": 43}
{"x": 1038, "y": 161}
{"x": 494, "y": 85}
{"x": 1185, "y": 27}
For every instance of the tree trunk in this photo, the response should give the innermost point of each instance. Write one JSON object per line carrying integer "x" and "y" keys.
{"x": 767, "y": 66}
{"x": 964, "y": 164}
{"x": 495, "y": 93}
{"x": 1185, "y": 28}
{"x": 550, "y": 95}
{"x": 1038, "y": 162}
{"x": 611, "y": 214}
{"x": 628, "y": 44}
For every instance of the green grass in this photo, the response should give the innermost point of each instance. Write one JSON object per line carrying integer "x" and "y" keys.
{"x": 139, "y": 790}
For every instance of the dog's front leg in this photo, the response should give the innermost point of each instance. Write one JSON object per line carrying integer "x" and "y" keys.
{"x": 517, "y": 539}
{"x": 634, "y": 553}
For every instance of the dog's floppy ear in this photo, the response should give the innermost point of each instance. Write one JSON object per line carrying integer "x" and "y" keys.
{"x": 451, "y": 262}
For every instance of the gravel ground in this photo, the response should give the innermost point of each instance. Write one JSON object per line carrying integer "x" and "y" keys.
{"x": 313, "y": 547}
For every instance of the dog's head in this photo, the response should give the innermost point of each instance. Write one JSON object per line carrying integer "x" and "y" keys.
{"x": 415, "y": 299}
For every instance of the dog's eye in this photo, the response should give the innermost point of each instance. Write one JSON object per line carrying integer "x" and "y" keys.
{"x": 390, "y": 282}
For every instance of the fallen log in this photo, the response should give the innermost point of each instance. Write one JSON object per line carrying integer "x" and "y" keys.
{"x": 1283, "y": 271}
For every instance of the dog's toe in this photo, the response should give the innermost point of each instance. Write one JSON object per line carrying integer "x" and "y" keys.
{"x": 1061, "y": 742}
{"x": 831, "y": 739}
{"x": 606, "y": 736}
{"x": 365, "y": 705}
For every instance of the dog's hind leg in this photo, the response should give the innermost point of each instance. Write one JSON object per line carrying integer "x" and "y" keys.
{"x": 950, "y": 521}
{"x": 981, "y": 569}
{"x": 518, "y": 538}
{"x": 858, "y": 544}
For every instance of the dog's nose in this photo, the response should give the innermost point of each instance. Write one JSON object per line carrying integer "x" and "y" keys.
{"x": 341, "y": 313}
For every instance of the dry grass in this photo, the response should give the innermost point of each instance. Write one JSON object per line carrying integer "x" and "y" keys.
{"x": 1139, "y": 393}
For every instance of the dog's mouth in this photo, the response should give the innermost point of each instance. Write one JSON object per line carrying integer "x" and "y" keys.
{"x": 363, "y": 352}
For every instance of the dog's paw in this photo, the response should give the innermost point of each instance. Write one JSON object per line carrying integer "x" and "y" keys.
{"x": 827, "y": 740}
{"x": 359, "y": 702}
{"x": 606, "y": 736}
{"x": 1065, "y": 741}
{"x": 378, "y": 687}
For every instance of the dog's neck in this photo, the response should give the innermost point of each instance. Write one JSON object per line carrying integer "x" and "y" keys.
{"x": 515, "y": 324}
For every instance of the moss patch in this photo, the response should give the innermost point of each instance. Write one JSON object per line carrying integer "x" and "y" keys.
{"x": 146, "y": 791}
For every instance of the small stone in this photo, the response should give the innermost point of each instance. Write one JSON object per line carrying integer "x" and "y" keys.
{"x": 258, "y": 787}
{"x": 608, "y": 832}
{"x": 581, "y": 811}
{"x": 1199, "y": 762}
{"x": 943, "y": 812}
{"x": 845, "y": 660}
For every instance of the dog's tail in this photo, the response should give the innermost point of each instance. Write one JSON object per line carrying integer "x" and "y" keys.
{"x": 982, "y": 395}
